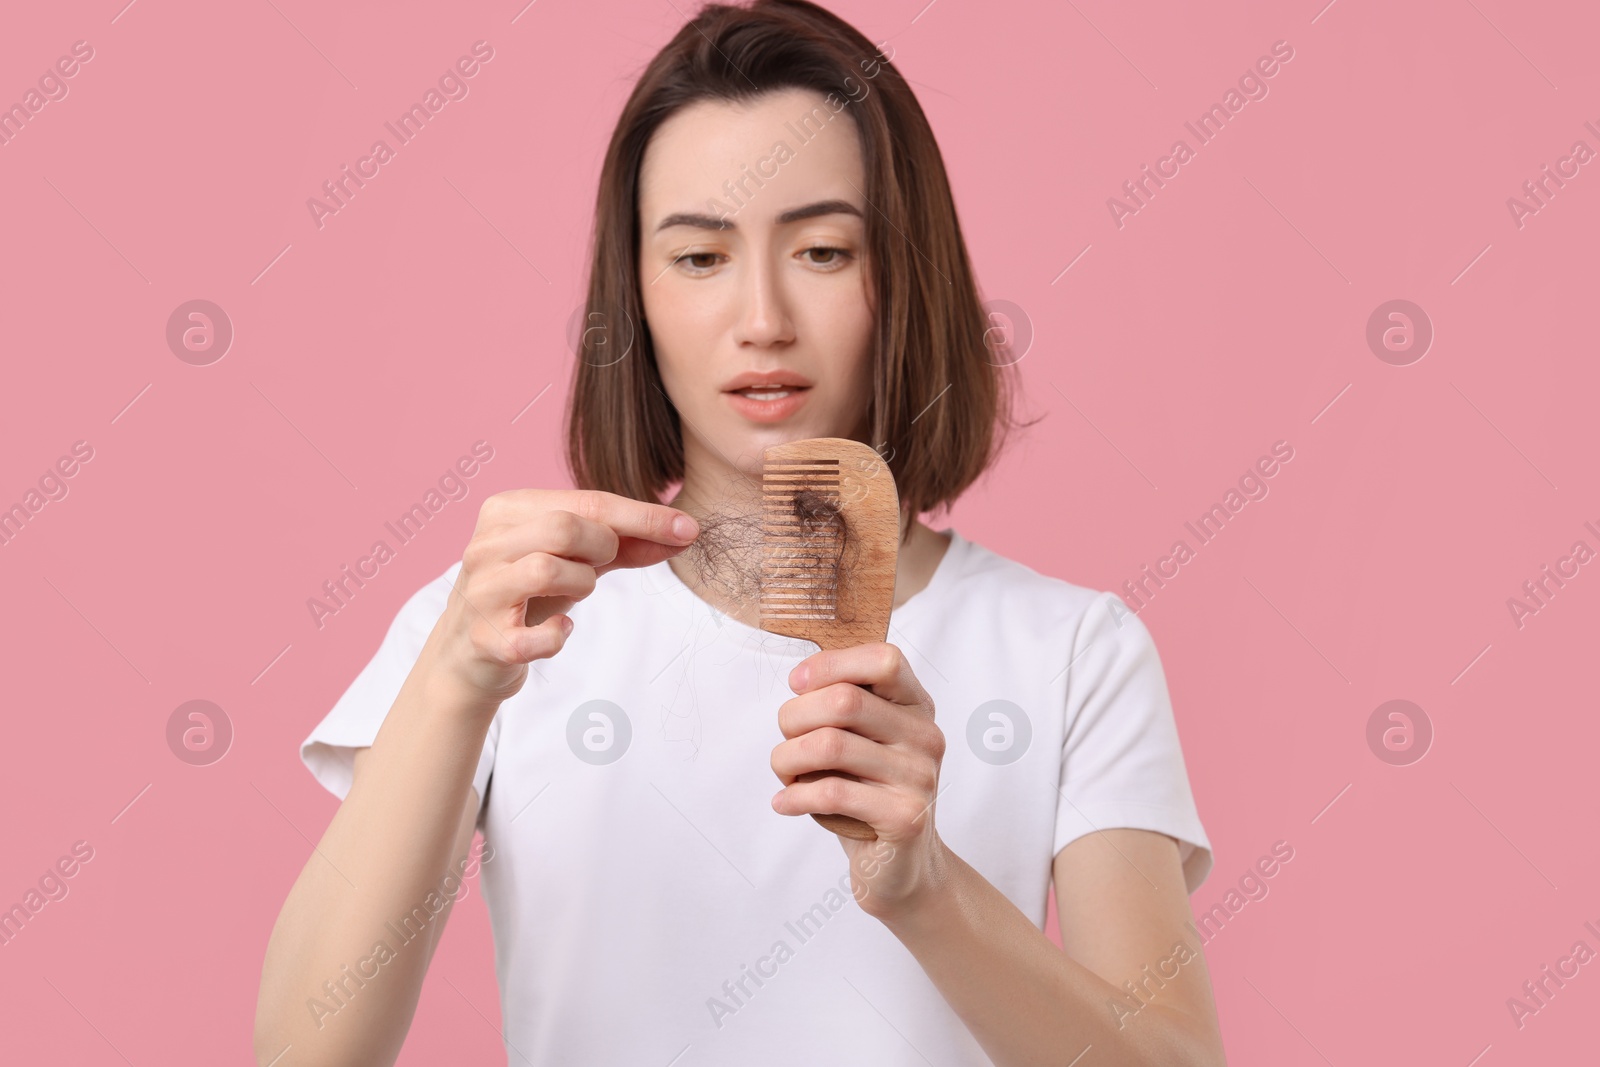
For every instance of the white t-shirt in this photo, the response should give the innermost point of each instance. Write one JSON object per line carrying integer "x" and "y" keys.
{"x": 647, "y": 903}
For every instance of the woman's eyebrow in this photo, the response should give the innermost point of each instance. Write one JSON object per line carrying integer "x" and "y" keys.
{"x": 712, "y": 222}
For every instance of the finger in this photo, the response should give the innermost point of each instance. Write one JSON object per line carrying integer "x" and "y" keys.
{"x": 519, "y": 644}
{"x": 540, "y": 608}
{"x": 848, "y": 707}
{"x": 878, "y": 665}
{"x": 892, "y": 815}
{"x": 869, "y": 802}
{"x": 571, "y": 536}
{"x": 560, "y": 533}
{"x": 632, "y": 552}
{"x": 541, "y": 641}
{"x": 625, "y": 516}
{"x": 631, "y": 518}
{"x": 832, "y": 749}
{"x": 538, "y": 574}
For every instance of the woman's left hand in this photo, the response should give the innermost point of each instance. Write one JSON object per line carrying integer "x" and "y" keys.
{"x": 863, "y": 711}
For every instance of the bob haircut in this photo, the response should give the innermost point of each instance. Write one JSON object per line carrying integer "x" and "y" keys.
{"x": 942, "y": 392}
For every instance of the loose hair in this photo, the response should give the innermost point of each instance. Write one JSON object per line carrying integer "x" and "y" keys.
{"x": 942, "y": 389}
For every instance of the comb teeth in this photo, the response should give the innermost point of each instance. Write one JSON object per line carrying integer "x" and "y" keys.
{"x": 800, "y": 561}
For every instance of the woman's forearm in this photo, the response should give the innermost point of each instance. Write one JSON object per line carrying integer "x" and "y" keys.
{"x": 1026, "y": 1001}
{"x": 347, "y": 956}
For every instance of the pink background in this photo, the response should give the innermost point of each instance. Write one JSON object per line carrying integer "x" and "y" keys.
{"x": 1227, "y": 314}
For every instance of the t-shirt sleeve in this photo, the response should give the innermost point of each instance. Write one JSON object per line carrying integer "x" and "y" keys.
{"x": 1121, "y": 763}
{"x": 329, "y": 752}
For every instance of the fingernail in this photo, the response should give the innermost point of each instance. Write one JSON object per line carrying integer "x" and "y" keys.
{"x": 566, "y": 625}
{"x": 685, "y": 528}
{"x": 801, "y": 676}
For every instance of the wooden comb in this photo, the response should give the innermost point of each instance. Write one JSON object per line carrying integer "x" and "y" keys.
{"x": 830, "y": 540}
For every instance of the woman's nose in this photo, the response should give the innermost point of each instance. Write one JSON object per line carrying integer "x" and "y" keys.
{"x": 763, "y": 313}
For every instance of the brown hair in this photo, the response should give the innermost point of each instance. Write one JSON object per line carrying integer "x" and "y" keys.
{"x": 942, "y": 390}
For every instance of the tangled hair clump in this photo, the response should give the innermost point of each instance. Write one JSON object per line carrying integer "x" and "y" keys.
{"x": 728, "y": 554}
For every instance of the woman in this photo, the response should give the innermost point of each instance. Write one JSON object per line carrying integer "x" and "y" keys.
{"x": 776, "y": 257}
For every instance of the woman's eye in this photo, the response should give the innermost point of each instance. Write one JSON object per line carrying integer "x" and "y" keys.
{"x": 834, "y": 257}
{"x": 693, "y": 256}
{"x": 824, "y": 256}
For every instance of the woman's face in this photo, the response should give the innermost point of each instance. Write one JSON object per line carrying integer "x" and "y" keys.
{"x": 775, "y": 294}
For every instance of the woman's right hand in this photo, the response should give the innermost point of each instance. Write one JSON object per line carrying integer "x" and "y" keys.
{"x": 534, "y": 553}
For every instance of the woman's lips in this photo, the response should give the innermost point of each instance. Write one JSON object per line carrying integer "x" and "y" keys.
{"x": 785, "y": 401}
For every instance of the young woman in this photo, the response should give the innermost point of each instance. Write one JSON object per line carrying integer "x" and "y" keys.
{"x": 776, "y": 257}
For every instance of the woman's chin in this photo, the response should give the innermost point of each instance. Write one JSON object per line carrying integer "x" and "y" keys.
{"x": 741, "y": 446}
